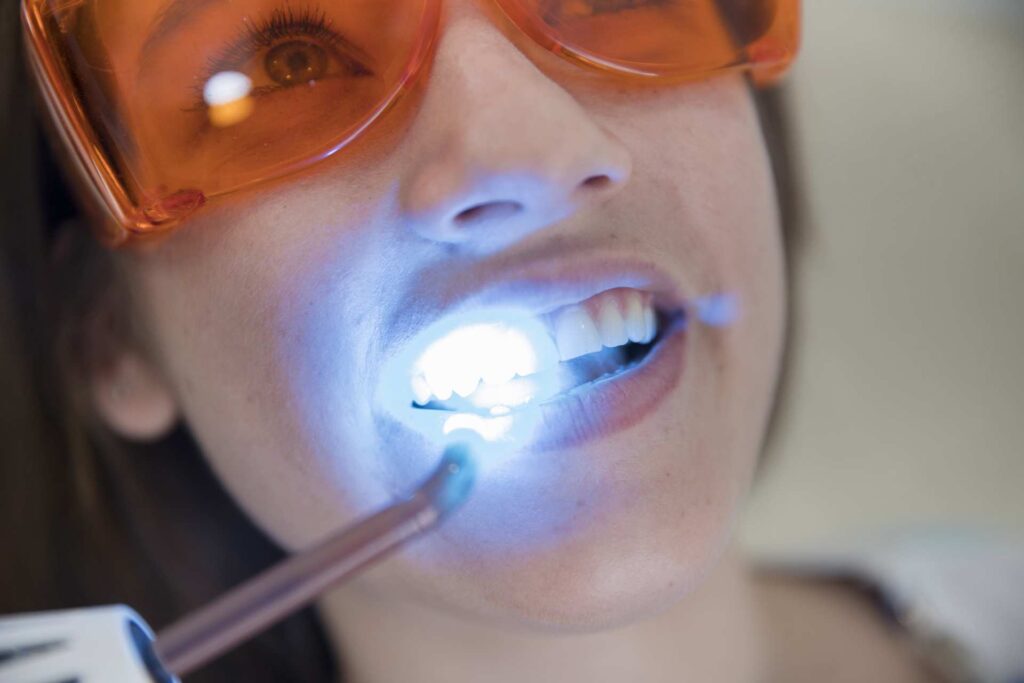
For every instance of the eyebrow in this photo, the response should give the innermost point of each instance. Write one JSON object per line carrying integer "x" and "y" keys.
{"x": 608, "y": 6}
{"x": 169, "y": 19}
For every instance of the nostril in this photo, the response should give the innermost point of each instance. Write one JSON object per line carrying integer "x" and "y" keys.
{"x": 486, "y": 212}
{"x": 596, "y": 182}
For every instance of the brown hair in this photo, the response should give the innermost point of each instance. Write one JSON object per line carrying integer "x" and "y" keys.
{"x": 87, "y": 518}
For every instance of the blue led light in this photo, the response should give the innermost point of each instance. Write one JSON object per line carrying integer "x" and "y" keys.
{"x": 717, "y": 310}
{"x": 489, "y": 369}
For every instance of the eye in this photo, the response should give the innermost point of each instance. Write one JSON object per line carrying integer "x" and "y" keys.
{"x": 290, "y": 48}
{"x": 296, "y": 61}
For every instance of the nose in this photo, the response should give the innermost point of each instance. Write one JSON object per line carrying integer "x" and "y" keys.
{"x": 503, "y": 151}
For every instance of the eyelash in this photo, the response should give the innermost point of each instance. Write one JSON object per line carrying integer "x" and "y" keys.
{"x": 283, "y": 23}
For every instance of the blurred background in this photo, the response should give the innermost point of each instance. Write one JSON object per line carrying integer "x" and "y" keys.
{"x": 908, "y": 387}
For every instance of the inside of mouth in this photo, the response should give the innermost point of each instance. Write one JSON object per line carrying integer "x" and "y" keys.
{"x": 568, "y": 376}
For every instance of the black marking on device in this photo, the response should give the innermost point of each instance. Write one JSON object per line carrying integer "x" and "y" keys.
{"x": 8, "y": 656}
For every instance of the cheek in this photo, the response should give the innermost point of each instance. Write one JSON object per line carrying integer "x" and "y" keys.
{"x": 752, "y": 258}
{"x": 263, "y": 337}
{"x": 733, "y": 240}
{"x": 701, "y": 157}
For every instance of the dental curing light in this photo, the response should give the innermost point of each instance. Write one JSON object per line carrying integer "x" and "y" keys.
{"x": 114, "y": 645}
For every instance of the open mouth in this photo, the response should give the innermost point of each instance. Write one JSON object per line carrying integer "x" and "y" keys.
{"x": 498, "y": 367}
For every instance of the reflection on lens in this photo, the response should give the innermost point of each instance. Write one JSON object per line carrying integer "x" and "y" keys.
{"x": 677, "y": 39}
{"x": 227, "y": 96}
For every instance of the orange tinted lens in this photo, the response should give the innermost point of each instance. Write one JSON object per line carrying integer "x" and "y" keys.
{"x": 670, "y": 38}
{"x": 208, "y": 96}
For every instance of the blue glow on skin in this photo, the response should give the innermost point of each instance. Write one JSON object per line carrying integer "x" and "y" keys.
{"x": 717, "y": 310}
{"x": 369, "y": 447}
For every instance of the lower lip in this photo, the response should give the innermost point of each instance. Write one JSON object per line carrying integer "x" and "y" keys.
{"x": 614, "y": 405}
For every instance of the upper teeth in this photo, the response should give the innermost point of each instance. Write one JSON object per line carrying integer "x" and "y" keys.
{"x": 495, "y": 353}
{"x": 610, "y": 319}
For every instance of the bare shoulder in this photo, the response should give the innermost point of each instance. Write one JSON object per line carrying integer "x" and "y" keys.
{"x": 823, "y": 630}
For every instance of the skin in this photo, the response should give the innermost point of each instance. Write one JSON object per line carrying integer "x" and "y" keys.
{"x": 263, "y": 321}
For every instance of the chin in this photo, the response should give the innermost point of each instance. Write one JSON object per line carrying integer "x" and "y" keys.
{"x": 609, "y": 599}
{"x": 614, "y": 564}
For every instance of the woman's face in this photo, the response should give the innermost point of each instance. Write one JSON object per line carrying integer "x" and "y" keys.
{"x": 511, "y": 178}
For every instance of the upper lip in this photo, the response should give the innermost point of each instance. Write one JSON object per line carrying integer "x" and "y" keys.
{"x": 544, "y": 285}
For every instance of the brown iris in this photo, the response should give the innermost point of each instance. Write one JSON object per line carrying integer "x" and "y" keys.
{"x": 296, "y": 61}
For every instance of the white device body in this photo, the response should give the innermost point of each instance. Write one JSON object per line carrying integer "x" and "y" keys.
{"x": 92, "y": 645}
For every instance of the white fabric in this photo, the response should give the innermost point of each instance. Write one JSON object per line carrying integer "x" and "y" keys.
{"x": 963, "y": 586}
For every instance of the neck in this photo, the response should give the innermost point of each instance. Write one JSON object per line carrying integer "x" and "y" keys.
{"x": 712, "y": 634}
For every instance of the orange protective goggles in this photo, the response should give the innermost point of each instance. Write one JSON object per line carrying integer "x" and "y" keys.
{"x": 163, "y": 104}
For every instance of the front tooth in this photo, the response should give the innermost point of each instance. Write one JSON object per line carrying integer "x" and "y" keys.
{"x": 500, "y": 371}
{"x": 636, "y": 326}
{"x": 576, "y": 334}
{"x": 466, "y": 385}
{"x": 464, "y": 370}
{"x": 651, "y": 323}
{"x": 440, "y": 384}
{"x": 611, "y": 324}
{"x": 420, "y": 390}
{"x": 522, "y": 357}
